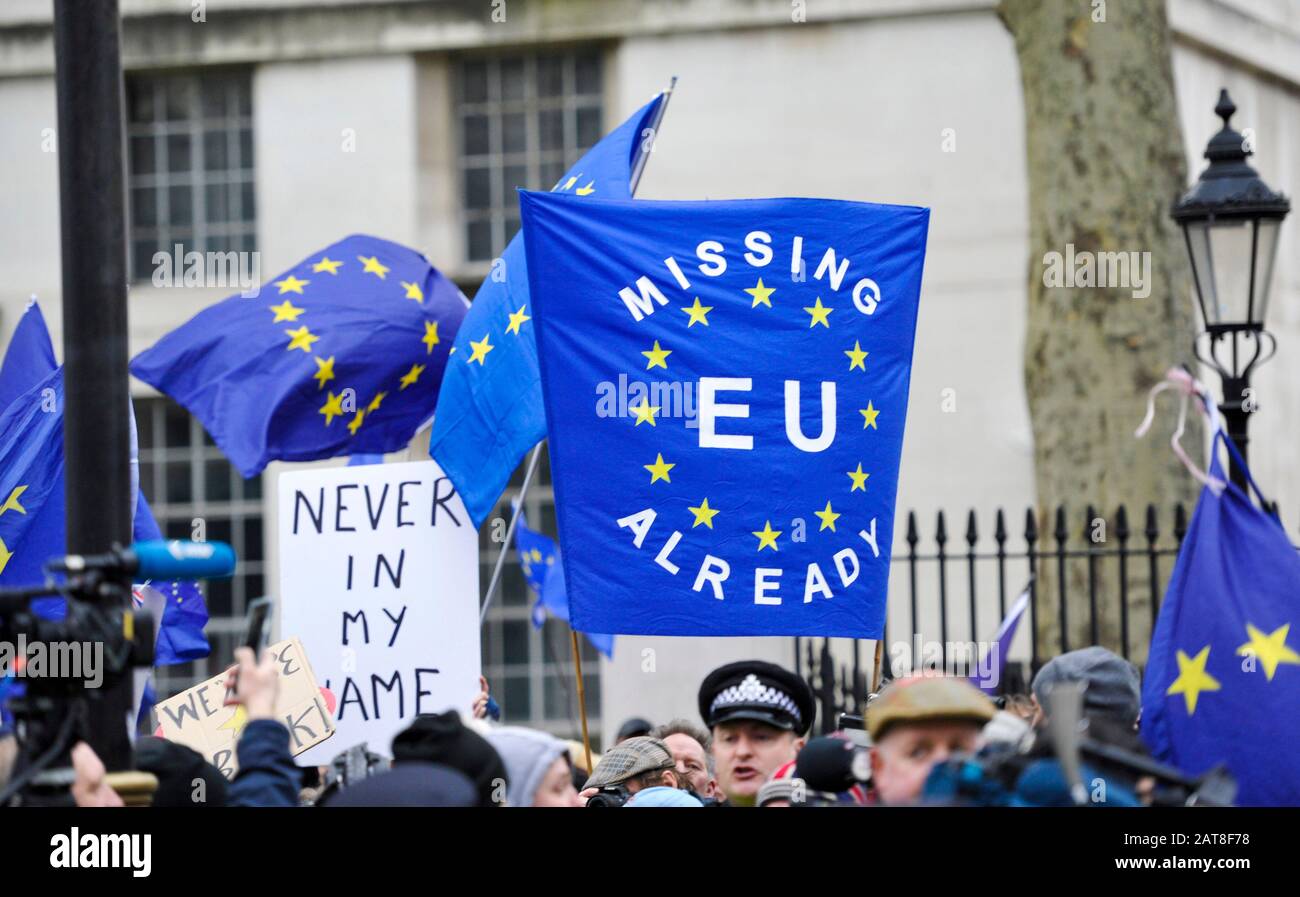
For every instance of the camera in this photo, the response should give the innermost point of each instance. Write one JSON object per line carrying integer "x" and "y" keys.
{"x": 610, "y": 796}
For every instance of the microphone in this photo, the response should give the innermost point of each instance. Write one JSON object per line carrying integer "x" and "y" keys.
{"x": 832, "y": 764}
{"x": 156, "y": 559}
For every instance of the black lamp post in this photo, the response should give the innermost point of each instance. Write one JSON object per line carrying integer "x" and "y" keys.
{"x": 1230, "y": 219}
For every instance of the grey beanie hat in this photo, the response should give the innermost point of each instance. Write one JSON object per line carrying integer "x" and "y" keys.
{"x": 1113, "y": 687}
{"x": 528, "y": 754}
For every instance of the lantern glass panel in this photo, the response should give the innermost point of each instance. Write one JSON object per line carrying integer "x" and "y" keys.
{"x": 1221, "y": 255}
{"x": 1265, "y": 255}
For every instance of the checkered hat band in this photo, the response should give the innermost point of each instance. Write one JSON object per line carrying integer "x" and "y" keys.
{"x": 751, "y": 692}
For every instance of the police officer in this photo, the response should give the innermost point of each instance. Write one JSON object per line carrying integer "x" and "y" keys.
{"x": 758, "y": 714}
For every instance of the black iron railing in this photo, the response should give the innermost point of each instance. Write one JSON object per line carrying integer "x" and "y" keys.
{"x": 1070, "y": 568}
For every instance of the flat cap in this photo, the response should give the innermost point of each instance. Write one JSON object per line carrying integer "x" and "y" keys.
{"x": 628, "y": 759}
{"x": 1112, "y": 685}
{"x": 757, "y": 690}
{"x": 927, "y": 698}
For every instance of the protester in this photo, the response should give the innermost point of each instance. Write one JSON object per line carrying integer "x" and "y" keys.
{"x": 691, "y": 748}
{"x": 267, "y": 776}
{"x": 636, "y": 764}
{"x": 758, "y": 714}
{"x": 917, "y": 723}
{"x": 409, "y": 784}
{"x": 443, "y": 739}
{"x": 89, "y": 787}
{"x": 538, "y": 767}
{"x": 185, "y": 779}
{"x": 1113, "y": 686}
{"x": 636, "y": 727}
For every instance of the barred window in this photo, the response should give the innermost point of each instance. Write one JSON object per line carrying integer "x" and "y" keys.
{"x": 531, "y": 670}
{"x": 188, "y": 482}
{"x": 523, "y": 121}
{"x": 190, "y": 158}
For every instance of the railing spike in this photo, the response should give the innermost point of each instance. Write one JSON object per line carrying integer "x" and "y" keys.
{"x": 1031, "y": 525}
{"x": 1180, "y": 522}
{"x": 912, "y": 535}
{"x": 972, "y": 534}
{"x": 1061, "y": 533}
{"x": 1122, "y": 531}
{"x": 941, "y": 531}
{"x": 1152, "y": 529}
{"x": 999, "y": 527}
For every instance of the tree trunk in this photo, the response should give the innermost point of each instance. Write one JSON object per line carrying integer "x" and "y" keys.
{"x": 1105, "y": 161}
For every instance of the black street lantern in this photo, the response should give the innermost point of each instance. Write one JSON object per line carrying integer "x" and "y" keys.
{"x": 1230, "y": 219}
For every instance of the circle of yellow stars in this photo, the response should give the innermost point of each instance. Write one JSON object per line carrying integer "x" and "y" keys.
{"x": 657, "y": 356}
{"x": 302, "y": 339}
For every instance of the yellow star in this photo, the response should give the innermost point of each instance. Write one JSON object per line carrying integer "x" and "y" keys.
{"x": 412, "y": 375}
{"x": 659, "y": 470}
{"x": 767, "y": 536}
{"x": 355, "y": 423}
{"x": 584, "y": 191}
{"x": 11, "y": 503}
{"x": 286, "y": 311}
{"x": 1192, "y": 678}
{"x": 413, "y": 291}
{"x": 372, "y": 266}
{"x": 699, "y": 313}
{"x": 374, "y": 403}
{"x": 658, "y": 358}
{"x": 859, "y": 479}
{"x": 480, "y": 351}
{"x": 828, "y": 518}
{"x": 1271, "y": 649}
{"x": 517, "y": 318}
{"x": 819, "y": 314}
{"x": 324, "y": 371}
{"x": 870, "y": 413}
{"x": 430, "y": 338}
{"x": 332, "y": 408}
{"x": 645, "y": 412}
{"x": 237, "y": 719}
{"x": 569, "y": 183}
{"x": 326, "y": 264}
{"x": 857, "y": 358}
{"x": 301, "y": 338}
{"x": 5, "y": 555}
{"x": 291, "y": 284}
{"x": 703, "y": 514}
{"x": 761, "y": 294}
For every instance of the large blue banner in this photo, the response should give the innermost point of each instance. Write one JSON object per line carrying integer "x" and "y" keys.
{"x": 726, "y": 387}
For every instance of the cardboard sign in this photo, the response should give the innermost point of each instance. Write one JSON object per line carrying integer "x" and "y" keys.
{"x": 197, "y": 717}
{"x": 379, "y": 578}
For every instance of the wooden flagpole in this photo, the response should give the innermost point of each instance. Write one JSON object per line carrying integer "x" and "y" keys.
{"x": 582, "y": 697}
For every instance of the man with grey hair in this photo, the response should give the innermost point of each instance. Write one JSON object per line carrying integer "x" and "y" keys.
{"x": 690, "y": 746}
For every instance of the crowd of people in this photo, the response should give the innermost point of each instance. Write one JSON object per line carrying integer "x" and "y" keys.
{"x": 927, "y": 739}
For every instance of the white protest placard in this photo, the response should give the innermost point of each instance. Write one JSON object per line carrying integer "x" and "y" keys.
{"x": 199, "y": 718}
{"x": 379, "y": 578}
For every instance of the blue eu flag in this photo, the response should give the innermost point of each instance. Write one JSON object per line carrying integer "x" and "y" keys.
{"x": 1223, "y": 677}
{"x": 726, "y": 386}
{"x": 490, "y": 411}
{"x": 341, "y": 355}
{"x": 29, "y": 358}
{"x": 31, "y": 483}
{"x": 539, "y": 557}
{"x": 37, "y": 527}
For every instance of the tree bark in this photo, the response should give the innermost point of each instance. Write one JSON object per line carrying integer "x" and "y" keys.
{"x": 1105, "y": 161}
